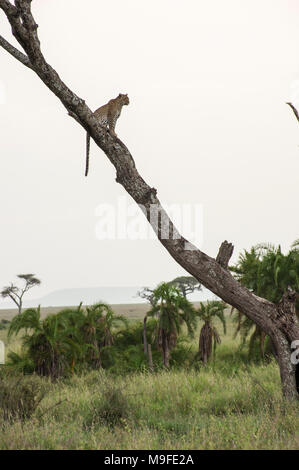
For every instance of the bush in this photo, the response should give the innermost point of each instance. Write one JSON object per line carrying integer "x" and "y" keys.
{"x": 20, "y": 362}
{"x": 111, "y": 408}
{"x": 20, "y": 396}
{"x": 182, "y": 356}
{"x": 133, "y": 334}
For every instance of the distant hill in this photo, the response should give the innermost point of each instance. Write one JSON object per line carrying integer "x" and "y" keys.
{"x": 90, "y": 295}
{"x": 134, "y": 311}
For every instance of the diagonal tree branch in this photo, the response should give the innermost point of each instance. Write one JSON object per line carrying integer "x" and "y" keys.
{"x": 15, "y": 52}
{"x": 282, "y": 326}
{"x": 294, "y": 110}
{"x": 8, "y": 8}
{"x": 203, "y": 267}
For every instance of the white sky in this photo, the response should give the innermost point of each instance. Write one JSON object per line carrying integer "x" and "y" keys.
{"x": 207, "y": 124}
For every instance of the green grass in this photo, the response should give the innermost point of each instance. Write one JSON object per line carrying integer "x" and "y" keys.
{"x": 169, "y": 410}
{"x": 230, "y": 404}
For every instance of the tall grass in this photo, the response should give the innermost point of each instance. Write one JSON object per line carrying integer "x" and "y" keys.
{"x": 167, "y": 410}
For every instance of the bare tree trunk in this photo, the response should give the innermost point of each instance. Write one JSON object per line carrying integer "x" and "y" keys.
{"x": 263, "y": 337}
{"x": 279, "y": 322}
{"x": 144, "y": 336}
{"x": 287, "y": 369}
{"x": 284, "y": 335}
{"x": 166, "y": 356}
{"x": 205, "y": 342}
{"x": 165, "y": 349}
{"x": 150, "y": 358}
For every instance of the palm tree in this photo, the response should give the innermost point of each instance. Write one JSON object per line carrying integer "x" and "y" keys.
{"x": 93, "y": 328}
{"x": 81, "y": 331}
{"x": 107, "y": 322}
{"x": 209, "y": 336}
{"x": 49, "y": 342}
{"x": 172, "y": 310}
{"x": 99, "y": 329}
{"x": 267, "y": 272}
{"x": 60, "y": 341}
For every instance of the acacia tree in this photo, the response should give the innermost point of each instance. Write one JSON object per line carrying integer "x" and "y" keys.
{"x": 147, "y": 294}
{"x": 186, "y": 284}
{"x": 278, "y": 321}
{"x": 16, "y": 293}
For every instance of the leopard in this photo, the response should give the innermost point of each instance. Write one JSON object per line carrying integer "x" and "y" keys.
{"x": 107, "y": 115}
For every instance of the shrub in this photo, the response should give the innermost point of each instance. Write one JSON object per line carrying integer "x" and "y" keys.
{"x": 20, "y": 362}
{"x": 111, "y": 408}
{"x": 20, "y": 396}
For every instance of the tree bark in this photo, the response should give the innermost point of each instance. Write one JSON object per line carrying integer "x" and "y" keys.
{"x": 205, "y": 343}
{"x": 150, "y": 358}
{"x": 166, "y": 356}
{"x": 165, "y": 349}
{"x": 224, "y": 255}
{"x": 144, "y": 336}
{"x": 278, "y": 322}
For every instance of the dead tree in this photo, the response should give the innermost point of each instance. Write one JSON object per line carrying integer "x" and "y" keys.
{"x": 279, "y": 322}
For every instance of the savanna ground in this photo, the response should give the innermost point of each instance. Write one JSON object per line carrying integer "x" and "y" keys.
{"x": 233, "y": 403}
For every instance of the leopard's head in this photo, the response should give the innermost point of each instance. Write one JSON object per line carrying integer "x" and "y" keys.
{"x": 124, "y": 99}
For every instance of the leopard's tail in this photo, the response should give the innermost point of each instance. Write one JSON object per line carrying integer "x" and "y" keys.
{"x": 87, "y": 153}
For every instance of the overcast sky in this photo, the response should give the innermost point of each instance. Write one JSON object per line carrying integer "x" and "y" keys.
{"x": 207, "y": 125}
